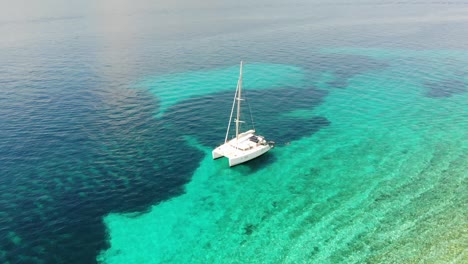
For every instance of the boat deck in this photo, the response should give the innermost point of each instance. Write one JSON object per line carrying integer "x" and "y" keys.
{"x": 246, "y": 143}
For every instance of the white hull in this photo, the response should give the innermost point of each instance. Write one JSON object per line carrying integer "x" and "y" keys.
{"x": 239, "y": 157}
{"x": 248, "y": 156}
{"x": 241, "y": 149}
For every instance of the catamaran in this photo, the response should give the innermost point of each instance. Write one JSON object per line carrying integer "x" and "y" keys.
{"x": 245, "y": 145}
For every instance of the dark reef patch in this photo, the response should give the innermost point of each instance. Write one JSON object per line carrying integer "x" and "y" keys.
{"x": 249, "y": 229}
{"x": 349, "y": 66}
{"x": 70, "y": 160}
{"x": 206, "y": 117}
{"x": 343, "y": 66}
{"x": 444, "y": 88}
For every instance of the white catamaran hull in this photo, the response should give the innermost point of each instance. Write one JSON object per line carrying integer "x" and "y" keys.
{"x": 235, "y": 159}
{"x": 248, "y": 156}
{"x": 242, "y": 149}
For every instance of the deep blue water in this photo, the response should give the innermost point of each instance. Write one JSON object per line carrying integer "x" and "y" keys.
{"x": 77, "y": 141}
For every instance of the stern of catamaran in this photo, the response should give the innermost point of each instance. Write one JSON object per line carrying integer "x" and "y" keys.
{"x": 217, "y": 153}
{"x": 271, "y": 144}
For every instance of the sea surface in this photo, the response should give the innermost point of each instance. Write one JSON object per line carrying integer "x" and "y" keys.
{"x": 109, "y": 111}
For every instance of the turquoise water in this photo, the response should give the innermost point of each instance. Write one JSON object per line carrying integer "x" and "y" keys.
{"x": 109, "y": 112}
{"x": 385, "y": 182}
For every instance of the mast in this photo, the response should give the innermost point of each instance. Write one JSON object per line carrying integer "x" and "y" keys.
{"x": 232, "y": 111}
{"x": 239, "y": 93}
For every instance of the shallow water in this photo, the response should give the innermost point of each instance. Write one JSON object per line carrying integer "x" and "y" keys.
{"x": 383, "y": 181}
{"x": 109, "y": 115}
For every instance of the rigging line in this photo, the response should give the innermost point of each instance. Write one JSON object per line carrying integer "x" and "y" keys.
{"x": 232, "y": 110}
{"x": 250, "y": 110}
